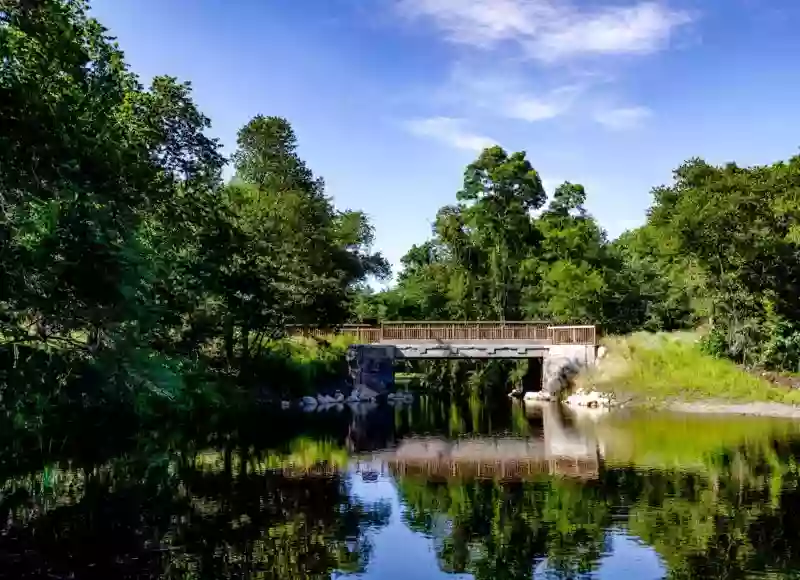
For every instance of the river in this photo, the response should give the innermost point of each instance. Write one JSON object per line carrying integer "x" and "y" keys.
{"x": 433, "y": 490}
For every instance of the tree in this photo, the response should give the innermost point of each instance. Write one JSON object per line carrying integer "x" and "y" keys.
{"x": 500, "y": 192}
{"x": 323, "y": 253}
{"x": 119, "y": 242}
{"x": 75, "y": 172}
{"x": 739, "y": 226}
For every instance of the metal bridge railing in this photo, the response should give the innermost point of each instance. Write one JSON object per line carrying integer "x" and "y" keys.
{"x": 458, "y": 331}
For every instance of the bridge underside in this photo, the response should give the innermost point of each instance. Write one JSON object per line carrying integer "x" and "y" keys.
{"x": 466, "y": 350}
{"x": 372, "y": 365}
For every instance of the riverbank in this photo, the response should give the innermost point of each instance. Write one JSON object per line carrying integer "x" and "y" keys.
{"x": 669, "y": 370}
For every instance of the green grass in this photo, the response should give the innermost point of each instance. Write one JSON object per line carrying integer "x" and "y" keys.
{"x": 671, "y": 367}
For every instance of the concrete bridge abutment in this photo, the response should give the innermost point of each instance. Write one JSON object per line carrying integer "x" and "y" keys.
{"x": 563, "y": 363}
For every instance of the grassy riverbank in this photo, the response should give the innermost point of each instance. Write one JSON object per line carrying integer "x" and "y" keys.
{"x": 667, "y": 368}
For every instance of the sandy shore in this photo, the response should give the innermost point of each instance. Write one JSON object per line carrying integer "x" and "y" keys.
{"x": 757, "y": 409}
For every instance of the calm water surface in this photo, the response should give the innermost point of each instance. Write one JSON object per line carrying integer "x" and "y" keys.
{"x": 431, "y": 491}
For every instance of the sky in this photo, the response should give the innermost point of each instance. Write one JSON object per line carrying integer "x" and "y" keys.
{"x": 392, "y": 99}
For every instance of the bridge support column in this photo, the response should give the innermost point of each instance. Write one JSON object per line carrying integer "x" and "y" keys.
{"x": 561, "y": 365}
{"x": 372, "y": 366}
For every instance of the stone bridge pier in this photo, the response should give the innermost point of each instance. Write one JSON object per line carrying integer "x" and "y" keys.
{"x": 372, "y": 366}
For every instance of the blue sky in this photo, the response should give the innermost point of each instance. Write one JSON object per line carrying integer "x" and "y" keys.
{"x": 391, "y": 99}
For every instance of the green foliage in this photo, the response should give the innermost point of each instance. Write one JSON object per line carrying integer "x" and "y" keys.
{"x": 714, "y": 343}
{"x": 719, "y": 248}
{"x": 295, "y": 366}
{"x": 738, "y": 226}
{"x": 781, "y": 349}
{"x": 490, "y": 259}
{"x": 122, "y": 250}
{"x": 658, "y": 368}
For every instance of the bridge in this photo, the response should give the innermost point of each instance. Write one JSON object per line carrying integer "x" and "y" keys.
{"x": 563, "y": 350}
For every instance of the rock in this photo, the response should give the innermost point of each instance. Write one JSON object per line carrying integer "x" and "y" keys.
{"x": 285, "y": 405}
{"x": 563, "y": 363}
{"x": 325, "y": 400}
{"x": 601, "y": 352}
{"x": 365, "y": 393}
{"x": 537, "y": 396}
{"x": 309, "y": 402}
{"x": 592, "y": 399}
{"x": 338, "y": 397}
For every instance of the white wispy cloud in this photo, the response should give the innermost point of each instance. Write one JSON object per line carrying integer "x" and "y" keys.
{"x": 552, "y": 30}
{"x": 508, "y": 95}
{"x": 623, "y": 117}
{"x": 450, "y": 131}
{"x": 527, "y": 107}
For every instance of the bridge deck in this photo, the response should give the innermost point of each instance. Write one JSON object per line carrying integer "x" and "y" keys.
{"x": 426, "y": 349}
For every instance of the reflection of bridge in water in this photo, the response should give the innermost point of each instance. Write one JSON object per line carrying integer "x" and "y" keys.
{"x": 559, "y": 450}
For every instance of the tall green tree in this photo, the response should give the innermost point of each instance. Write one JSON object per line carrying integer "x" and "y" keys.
{"x": 324, "y": 252}
{"x": 500, "y": 192}
{"x": 119, "y": 242}
{"x": 491, "y": 257}
{"x": 76, "y": 172}
{"x": 739, "y": 227}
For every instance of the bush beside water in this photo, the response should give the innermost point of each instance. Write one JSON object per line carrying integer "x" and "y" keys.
{"x": 298, "y": 366}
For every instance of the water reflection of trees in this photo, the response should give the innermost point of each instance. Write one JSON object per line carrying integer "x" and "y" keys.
{"x": 738, "y": 520}
{"x": 173, "y": 516}
{"x": 501, "y": 531}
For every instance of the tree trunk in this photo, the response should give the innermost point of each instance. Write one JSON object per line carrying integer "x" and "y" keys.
{"x": 229, "y": 341}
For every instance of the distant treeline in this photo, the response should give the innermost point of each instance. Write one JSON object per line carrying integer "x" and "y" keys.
{"x": 720, "y": 249}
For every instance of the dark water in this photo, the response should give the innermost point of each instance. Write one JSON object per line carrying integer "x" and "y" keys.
{"x": 433, "y": 490}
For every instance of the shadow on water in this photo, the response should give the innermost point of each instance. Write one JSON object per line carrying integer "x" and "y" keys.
{"x": 490, "y": 486}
